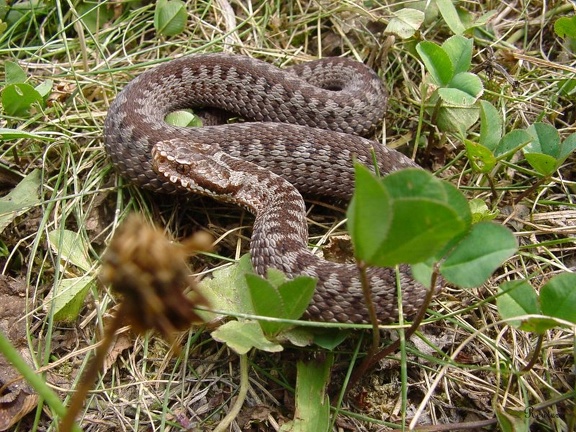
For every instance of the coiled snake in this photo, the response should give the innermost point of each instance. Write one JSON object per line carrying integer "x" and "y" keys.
{"x": 304, "y": 132}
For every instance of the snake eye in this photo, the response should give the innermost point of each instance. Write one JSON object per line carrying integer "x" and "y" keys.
{"x": 182, "y": 169}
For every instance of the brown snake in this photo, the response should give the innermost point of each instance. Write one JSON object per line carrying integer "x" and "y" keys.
{"x": 261, "y": 166}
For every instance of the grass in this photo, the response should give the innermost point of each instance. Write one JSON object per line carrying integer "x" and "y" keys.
{"x": 465, "y": 361}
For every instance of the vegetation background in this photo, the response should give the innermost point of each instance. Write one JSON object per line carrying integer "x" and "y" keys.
{"x": 463, "y": 369}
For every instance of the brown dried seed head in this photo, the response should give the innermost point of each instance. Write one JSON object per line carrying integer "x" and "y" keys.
{"x": 151, "y": 274}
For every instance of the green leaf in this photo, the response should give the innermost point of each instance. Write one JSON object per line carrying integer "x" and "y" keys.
{"x": 44, "y": 88}
{"x": 170, "y": 17}
{"x": 14, "y": 73}
{"x": 405, "y": 22}
{"x": 183, "y": 118}
{"x": 475, "y": 258}
{"x": 227, "y": 290}
{"x": 545, "y": 153}
{"x": 459, "y": 49}
{"x": 312, "y": 403}
{"x": 545, "y": 140}
{"x": 490, "y": 125}
{"x": 457, "y": 119}
{"x": 369, "y": 214}
{"x": 565, "y": 27}
{"x": 330, "y": 338}
{"x": 297, "y": 294}
{"x": 464, "y": 90}
{"x": 71, "y": 247}
{"x": 422, "y": 212}
{"x": 65, "y": 301}
{"x": 481, "y": 212}
{"x": 517, "y": 298}
{"x": 544, "y": 164}
{"x": 481, "y": 158}
{"x": 558, "y": 297}
{"x": 241, "y": 337}
{"x": 20, "y": 199}
{"x": 286, "y": 300}
{"x": 512, "y": 420}
{"x": 17, "y": 99}
{"x": 437, "y": 62}
{"x": 266, "y": 301}
{"x": 512, "y": 142}
{"x": 450, "y": 15}
{"x": 566, "y": 148}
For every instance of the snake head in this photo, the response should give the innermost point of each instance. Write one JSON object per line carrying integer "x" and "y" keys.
{"x": 189, "y": 166}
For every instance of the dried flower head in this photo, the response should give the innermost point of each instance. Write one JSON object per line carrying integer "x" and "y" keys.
{"x": 151, "y": 274}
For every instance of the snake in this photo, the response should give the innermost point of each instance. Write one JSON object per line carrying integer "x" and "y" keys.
{"x": 298, "y": 131}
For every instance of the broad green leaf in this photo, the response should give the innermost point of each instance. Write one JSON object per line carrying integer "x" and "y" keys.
{"x": 512, "y": 142}
{"x": 465, "y": 89}
{"x": 512, "y": 420}
{"x": 558, "y": 297}
{"x": 481, "y": 212}
{"x": 267, "y": 301}
{"x": 227, "y": 290}
{"x": 424, "y": 214}
{"x": 481, "y": 158}
{"x": 297, "y": 336}
{"x": 241, "y": 337}
{"x": 437, "y": 62}
{"x": 490, "y": 125}
{"x": 281, "y": 298}
{"x": 459, "y": 49}
{"x": 183, "y": 118}
{"x": 545, "y": 153}
{"x": 565, "y": 27}
{"x": 544, "y": 164}
{"x": 566, "y": 148}
{"x": 475, "y": 258}
{"x": 20, "y": 199}
{"x": 420, "y": 228}
{"x": 457, "y": 119}
{"x": 14, "y": 73}
{"x": 330, "y": 338}
{"x": 71, "y": 247}
{"x": 296, "y": 295}
{"x": 312, "y": 403}
{"x": 545, "y": 140}
{"x": 67, "y": 299}
{"x": 405, "y": 22}
{"x": 369, "y": 217}
{"x": 17, "y": 99}
{"x": 518, "y": 298}
{"x": 44, "y": 88}
{"x": 170, "y": 17}
{"x": 450, "y": 15}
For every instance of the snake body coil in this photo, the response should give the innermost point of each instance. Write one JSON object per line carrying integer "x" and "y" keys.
{"x": 304, "y": 132}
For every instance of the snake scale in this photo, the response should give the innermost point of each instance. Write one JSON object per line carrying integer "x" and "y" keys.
{"x": 302, "y": 130}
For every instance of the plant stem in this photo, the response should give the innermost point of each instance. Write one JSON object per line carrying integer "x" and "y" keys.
{"x": 370, "y": 306}
{"x": 371, "y": 359}
{"x": 535, "y": 354}
{"x": 87, "y": 381}
{"x": 32, "y": 377}
{"x": 233, "y": 413}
